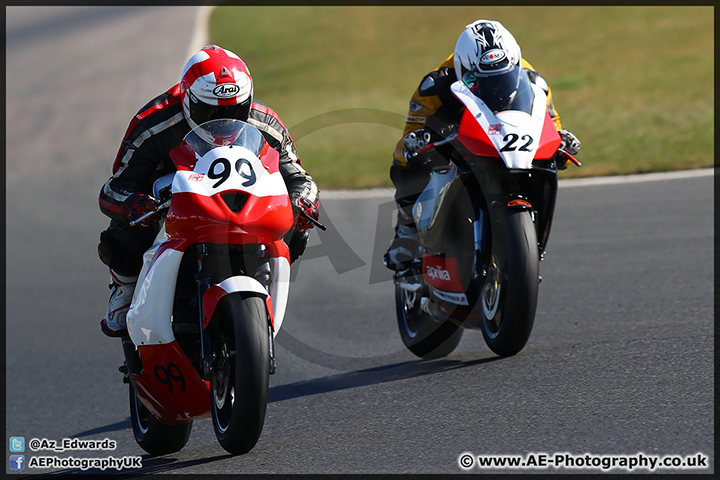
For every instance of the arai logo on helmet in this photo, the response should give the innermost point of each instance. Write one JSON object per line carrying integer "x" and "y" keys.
{"x": 492, "y": 56}
{"x": 226, "y": 90}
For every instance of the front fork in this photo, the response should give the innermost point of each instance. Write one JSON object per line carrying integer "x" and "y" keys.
{"x": 203, "y": 281}
{"x": 263, "y": 274}
{"x": 481, "y": 229}
{"x": 480, "y": 241}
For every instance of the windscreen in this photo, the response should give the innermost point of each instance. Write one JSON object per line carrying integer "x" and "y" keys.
{"x": 225, "y": 132}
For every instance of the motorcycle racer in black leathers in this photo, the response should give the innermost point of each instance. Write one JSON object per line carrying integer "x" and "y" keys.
{"x": 215, "y": 83}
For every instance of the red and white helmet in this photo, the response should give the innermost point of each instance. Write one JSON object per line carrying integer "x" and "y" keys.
{"x": 486, "y": 48}
{"x": 215, "y": 83}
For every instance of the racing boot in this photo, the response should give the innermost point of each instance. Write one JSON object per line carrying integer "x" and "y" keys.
{"x": 404, "y": 249}
{"x": 122, "y": 288}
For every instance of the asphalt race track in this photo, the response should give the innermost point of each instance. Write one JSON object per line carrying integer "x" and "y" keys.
{"x": 620, "y": 361}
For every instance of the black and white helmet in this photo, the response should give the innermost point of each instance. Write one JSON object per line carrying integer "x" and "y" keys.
{"x": 485, "y": 48}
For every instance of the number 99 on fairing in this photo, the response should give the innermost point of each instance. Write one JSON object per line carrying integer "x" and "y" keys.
{"x": 220, "y": 170}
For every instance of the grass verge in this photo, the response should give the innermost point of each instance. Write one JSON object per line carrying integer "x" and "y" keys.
{"x": 635, "y": 84}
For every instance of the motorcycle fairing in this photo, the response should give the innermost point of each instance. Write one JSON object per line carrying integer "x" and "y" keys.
{"x": 275, "y": 300}
{"x": 208, "y": 190}
{"x": 149, "y": 322}
{"x": 148, "y": 319}
{"x": 442, "y": 273}
{"x": 261, "y": 177}
{"x": 443, "y": 277}
{"x": 280, "y": 287}
{"x": 549, "y": 141}
{"x": 198, "y": 213}
{"x": 514, "y": 136}
{"x": 445, "y": 206}
{"x": 239, "y": 283}
{"x": 427, "y": 206}
{"x": 169, "y": 386}
{"x": 452, "y": 297}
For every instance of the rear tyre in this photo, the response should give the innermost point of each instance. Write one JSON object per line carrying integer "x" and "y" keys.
{"x": 422, "y": 335}
{"x": 239, "y": 388}
{"x": 153, "y": 436}
{"x": 509, "y": 295}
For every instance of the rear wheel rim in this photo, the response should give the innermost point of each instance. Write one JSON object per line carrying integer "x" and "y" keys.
{"x": 409, "y": 309}
{"x": 491, "y": 298}
{"x": 142, "y": 416}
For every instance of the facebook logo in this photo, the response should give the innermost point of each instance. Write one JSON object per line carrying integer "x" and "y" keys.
{"x": 17, "y": 462}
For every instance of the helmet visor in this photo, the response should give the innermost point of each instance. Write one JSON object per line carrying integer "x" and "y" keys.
{"x": 202, "y": 112}
{"x": 510, "y": 90}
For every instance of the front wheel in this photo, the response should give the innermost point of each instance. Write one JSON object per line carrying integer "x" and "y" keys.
{"x": 239, "y": 386}
{"x": 422, "y": 335}
{"x": 509, "y": 295}
{"x": 153, "y": 436}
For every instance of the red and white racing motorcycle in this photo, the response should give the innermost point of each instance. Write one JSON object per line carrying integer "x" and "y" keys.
{"x": 483, "y": 220}
{"x": 212, "y": 292}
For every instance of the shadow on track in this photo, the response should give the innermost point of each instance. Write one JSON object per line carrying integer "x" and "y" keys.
{"x": 370, "y": 376}
{"x": 113, "y": 427}
{"x": 360, "y": 378}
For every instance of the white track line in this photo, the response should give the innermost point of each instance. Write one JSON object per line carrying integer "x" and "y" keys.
{"x": 566, "y": 183}
{"x": 641, "y": 177}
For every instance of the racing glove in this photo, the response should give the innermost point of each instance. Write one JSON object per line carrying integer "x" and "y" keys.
{"x": 137, "y": 205}
{"x": 414, "y": 141}
{"x": 302, "y": 204}
{"x": 570, "y": 144}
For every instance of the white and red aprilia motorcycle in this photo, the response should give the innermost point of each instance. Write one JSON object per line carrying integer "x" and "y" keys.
{"x": 483, "y": 220}
{"x": 212, "y": 292}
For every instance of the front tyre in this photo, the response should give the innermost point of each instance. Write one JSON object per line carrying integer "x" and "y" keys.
{"x": 153, "y": 436}
{"x": 239, "y": 386}
{"x": 509, "y": 295}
